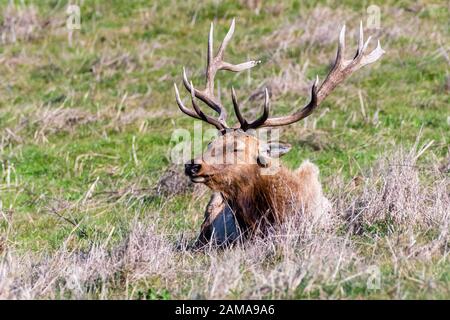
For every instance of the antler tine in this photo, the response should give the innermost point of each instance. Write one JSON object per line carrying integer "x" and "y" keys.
{"x": 242, "y": 121}
{"x": 210, "y": 70}
{"x": 340, "y": 71}
{"x": 200, "y": 94}
{"x": 198, "y": 113}
{"x": 182, "y": 106}
{"x": 237, "y": 110}
{"x": 258, "y": 122}
{"x": 203, "y": 116}
{"x": 341, "y": 48}
{"x": 344, "y": 68}
{"x": 361, "y": 39}
{"x": 296, "y": 116}
{"x": 225, "y": 41}
{"x": 214, "y": 64}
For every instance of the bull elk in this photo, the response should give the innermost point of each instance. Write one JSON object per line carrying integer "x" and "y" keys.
{"x": 245, "y": 200}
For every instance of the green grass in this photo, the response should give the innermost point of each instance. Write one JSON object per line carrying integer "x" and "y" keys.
{"x": 407, "y": 87}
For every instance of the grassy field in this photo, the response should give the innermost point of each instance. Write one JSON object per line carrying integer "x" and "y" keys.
{"x": 91, "y": 207}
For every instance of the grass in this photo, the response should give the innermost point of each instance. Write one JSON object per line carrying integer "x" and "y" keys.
{"x": 76, "y": 194}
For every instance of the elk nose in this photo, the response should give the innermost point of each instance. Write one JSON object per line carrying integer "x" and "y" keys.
{"x": 192, "y": 168}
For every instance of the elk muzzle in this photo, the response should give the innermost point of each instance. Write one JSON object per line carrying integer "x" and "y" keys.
{"x": 193, "y": 171}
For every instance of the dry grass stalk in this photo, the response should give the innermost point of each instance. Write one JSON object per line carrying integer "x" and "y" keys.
{"x": 19, "y": 23}
{"x": 298, "y": 258}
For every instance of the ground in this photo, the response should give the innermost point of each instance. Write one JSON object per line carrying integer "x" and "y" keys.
{"x": 87, "y": 201}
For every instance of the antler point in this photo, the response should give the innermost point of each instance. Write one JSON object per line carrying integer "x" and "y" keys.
{"x": 379, "y": 47}
{"x": 266, "y": 96}
{"x": 342, "y": 38}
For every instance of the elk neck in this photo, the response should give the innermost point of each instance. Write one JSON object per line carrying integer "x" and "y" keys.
{"x": 255, "y": 196}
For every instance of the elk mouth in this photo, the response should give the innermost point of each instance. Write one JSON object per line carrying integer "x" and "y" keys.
{"x": 199, "y": 179}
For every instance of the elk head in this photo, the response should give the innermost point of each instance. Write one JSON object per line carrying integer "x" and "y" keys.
{"x": 236, "y": 157}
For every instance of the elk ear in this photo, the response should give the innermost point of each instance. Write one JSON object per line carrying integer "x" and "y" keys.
{"x": 278, "y": 149}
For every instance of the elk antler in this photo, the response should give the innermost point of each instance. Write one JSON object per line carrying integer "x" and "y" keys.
{"x": 341, "y": 70}
{"x": 206, "y": 95}
{"x": 258, "y": 122}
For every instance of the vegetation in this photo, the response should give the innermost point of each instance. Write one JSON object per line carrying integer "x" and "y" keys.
{"x": 91, "y": 206}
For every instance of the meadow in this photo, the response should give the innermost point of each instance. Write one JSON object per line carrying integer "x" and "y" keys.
{"x": 92, "y": 207}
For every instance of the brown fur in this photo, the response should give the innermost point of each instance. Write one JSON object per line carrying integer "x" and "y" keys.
{"x": 255, "y": 198}
{"x": 258, "y": 200}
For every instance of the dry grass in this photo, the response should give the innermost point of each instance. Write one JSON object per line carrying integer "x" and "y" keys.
{"x": 20, "y": 23}
{"x": 84, "y": 133}
{"x": 107, "y": 65}
{"x": 317, "y": 28}
{"x": 42, "y": 122}
{"x": 50, "y": 121}
{"x": 300, "y": 259}
{"x": 86, "y": 274}
{"x": 45, "y": 121}
{"x": 394, "y": 192}
{"x": 291, "y": 79}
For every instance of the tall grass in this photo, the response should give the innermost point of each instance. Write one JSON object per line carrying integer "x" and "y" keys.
{"x": 392, "y": 206}
{"x": 90, "y": 206}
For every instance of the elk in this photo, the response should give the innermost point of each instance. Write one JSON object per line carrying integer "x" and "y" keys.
{"x": 246, "y": 201}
